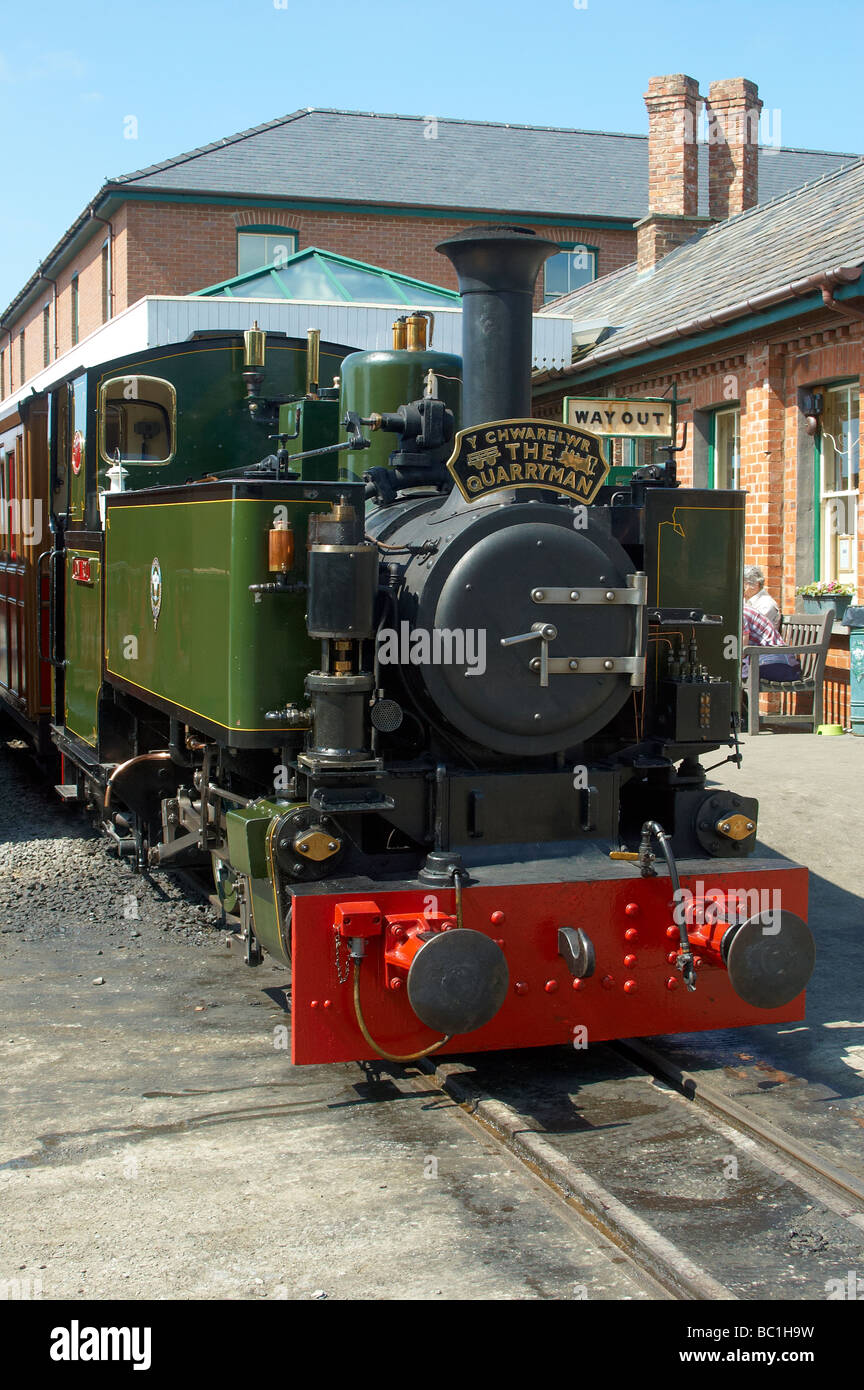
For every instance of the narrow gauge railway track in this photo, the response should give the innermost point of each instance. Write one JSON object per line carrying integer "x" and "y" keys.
{"x": 810, "y": 1164}
{"x": 709, "y": 1203}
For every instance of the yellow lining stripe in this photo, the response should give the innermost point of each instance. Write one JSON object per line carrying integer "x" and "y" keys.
{"x": 160, "y": 695}
{"x": 280, "y": 925}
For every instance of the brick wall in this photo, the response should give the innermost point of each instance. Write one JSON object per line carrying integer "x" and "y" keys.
{"x": 87, "y": 265}
{"x": 177, "y": 248}
{"x": 764, "y": 378}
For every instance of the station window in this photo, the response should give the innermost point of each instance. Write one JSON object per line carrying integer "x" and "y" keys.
{"x": 2, "y": 373}
{"x": 568, "y": 270}
{"x": 137, "y": 420}
{"x": 73, "y": 290}
{"x": 724, "y": 449}
{"x": 837, "y": 476}
{"x": 22, "y": 361}
{"x": 46, "y": 335}
{"x": 260, "y": 246}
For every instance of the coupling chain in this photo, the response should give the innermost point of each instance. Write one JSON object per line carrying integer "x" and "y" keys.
{"x": 342, "y": 972}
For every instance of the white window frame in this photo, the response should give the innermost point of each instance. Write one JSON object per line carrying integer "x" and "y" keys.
{"x": 839, "y": 506}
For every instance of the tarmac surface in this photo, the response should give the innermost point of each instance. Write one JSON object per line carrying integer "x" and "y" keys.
{"x": 155, "y": 1141}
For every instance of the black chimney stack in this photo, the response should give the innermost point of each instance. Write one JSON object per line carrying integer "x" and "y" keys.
{"x": 497, "y": 268}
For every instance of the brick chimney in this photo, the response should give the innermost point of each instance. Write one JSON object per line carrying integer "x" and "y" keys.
{"x": 733, "y": 146}
{"x": 673, "y": 168}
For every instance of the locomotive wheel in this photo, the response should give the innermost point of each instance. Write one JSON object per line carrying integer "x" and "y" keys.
{"x": 142, "y": 783}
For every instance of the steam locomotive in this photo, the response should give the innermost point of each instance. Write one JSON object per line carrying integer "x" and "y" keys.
{"x": 431, "y": 695}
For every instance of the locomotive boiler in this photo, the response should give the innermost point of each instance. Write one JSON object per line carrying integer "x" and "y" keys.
{"x": 434, "y": 699}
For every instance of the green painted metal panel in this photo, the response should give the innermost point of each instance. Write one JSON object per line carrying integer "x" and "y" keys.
{"x": 817, "y": 507}
{"x": 694, "y": 543}
{"x": 250, "y": 844}
{"x": 381, "y": 381}
{"x": 247, "y": 837}
{"x": 182, "y": 625}
{"x": 83, "y": 644}
{"x": 213, "y": 428}
{"x": 310, "y": 424}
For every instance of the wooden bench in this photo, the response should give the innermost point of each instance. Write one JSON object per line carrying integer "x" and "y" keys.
{"x": 807, "y": 636}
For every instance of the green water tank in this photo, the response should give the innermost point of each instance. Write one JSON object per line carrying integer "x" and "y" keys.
{"x": 383, "y": 380}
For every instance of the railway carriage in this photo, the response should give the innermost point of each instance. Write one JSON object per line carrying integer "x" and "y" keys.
{"x": 428, "y": 692}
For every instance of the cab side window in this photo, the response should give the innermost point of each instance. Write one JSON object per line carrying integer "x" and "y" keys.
{"x": 137, "y": 420}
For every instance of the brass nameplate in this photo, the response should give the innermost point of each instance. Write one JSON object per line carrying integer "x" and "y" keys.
{"x": 527, "y": 453}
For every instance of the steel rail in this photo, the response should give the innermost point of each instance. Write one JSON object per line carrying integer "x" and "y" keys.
{"x": 651, "y": 1253}
{"x": 741, "y": 1117}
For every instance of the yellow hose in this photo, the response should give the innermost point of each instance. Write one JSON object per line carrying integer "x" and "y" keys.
{"x": 388, "y": 1056}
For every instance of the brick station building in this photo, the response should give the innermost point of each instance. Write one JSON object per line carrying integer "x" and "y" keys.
{"x": 753, "y": 316}
{"x": 377, "y": 188}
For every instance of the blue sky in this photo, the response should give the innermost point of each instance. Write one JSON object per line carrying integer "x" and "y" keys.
{"x": 191, "y": 71}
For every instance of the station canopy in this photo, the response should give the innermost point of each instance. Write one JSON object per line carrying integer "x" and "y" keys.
{"x": 318, "y": 275}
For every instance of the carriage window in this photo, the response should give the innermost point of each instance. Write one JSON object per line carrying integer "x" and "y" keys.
{"x": 137, "y": 420}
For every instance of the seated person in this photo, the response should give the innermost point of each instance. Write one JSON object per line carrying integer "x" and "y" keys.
{"x": 758, "y": 596}
{"x": 757, "y": 631}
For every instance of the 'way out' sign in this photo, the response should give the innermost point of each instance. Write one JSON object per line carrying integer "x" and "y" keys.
{"x": 606, "y": 416}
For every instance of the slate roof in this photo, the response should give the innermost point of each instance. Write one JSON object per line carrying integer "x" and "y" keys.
{"x": 815, "y": 228}
{"x": 353, "y": 156}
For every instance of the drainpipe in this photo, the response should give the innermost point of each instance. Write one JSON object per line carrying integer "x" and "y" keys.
{"x": 8, "y": 333}
{"x": 104, "y": 220}
{"x": 53, "y": 283}
{"x": 828, "y": 283}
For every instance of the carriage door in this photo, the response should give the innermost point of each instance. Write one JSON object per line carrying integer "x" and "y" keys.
{"x": 83, "y": 582}
{"x": 11, "y": 575}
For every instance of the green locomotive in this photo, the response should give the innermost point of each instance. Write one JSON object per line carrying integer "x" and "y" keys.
{"x": 459, "y": 845}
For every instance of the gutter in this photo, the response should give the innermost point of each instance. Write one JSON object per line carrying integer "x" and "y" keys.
{"x": 848, "y": 311}
{"x": 825, "y": 280}
{"x": 17, "y": 306}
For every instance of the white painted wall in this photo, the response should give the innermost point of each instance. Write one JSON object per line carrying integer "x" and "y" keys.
{"x": 161, "y": 319}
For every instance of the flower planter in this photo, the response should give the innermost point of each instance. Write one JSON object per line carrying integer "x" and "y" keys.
{"x": 827, "y": 603}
